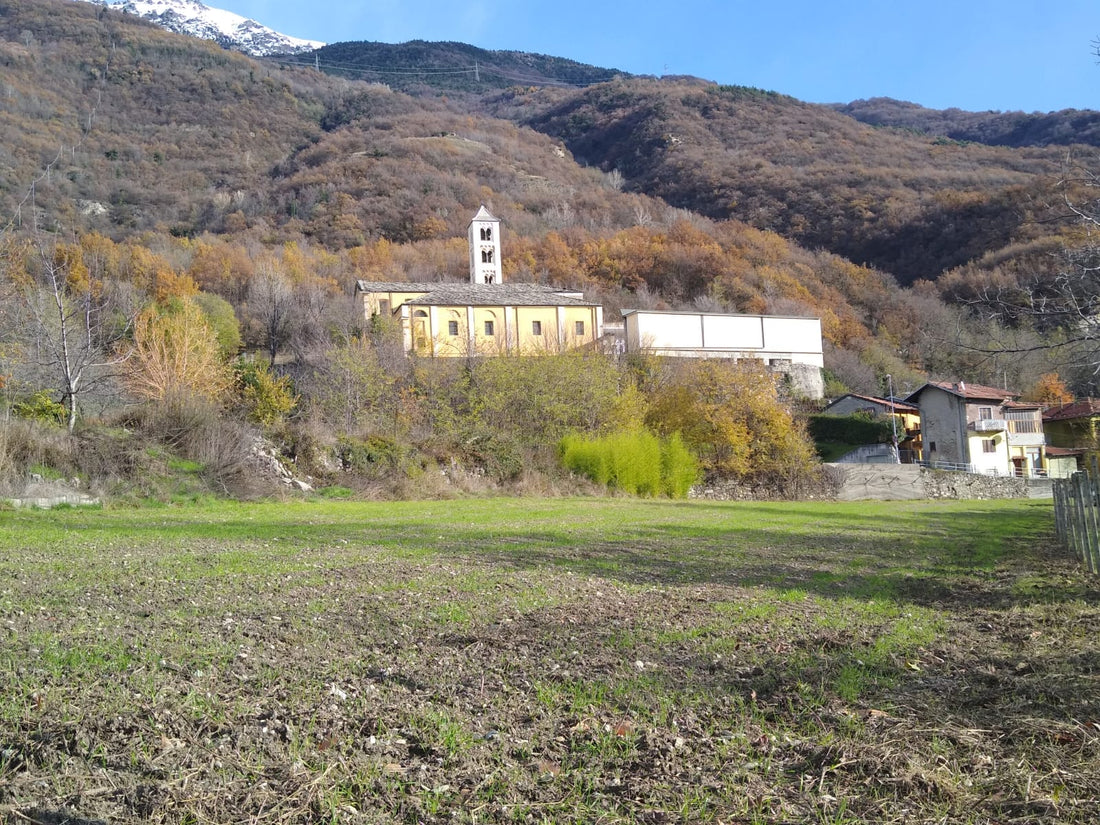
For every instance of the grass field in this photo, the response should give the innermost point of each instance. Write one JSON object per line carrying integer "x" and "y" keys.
{"x": 547, "y": 661}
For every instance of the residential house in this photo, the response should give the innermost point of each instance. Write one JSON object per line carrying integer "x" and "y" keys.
{"x": 1073, "y": 433}
{"x": 485, "y": 316}
{"x": 979, "y": 428}
{"x": 908, "y": 419}
{"x": 789, "y": 346}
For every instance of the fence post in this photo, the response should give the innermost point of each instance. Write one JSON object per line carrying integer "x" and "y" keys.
{"x": 1056, "y": 487}
{"x": 1086, "y": 519}
{"x": 1077, "y": 515}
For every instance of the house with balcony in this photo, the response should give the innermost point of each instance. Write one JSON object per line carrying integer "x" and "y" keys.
{"x": 980, "y": 429}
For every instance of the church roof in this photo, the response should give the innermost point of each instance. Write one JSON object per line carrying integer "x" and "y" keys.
{"x": 484, "y": 214}
{"x": 396, "y": 286}
{"x": 465, "y": 294}
{"x": 498, "y": 295}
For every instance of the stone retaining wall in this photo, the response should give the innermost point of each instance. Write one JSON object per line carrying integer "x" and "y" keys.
{"x": 898, "y": 482}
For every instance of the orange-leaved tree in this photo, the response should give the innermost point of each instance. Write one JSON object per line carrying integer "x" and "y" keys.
{"x": 1049, "y": 389}
{"x": 175, "y": 353}
{"x": 731, "y": 416}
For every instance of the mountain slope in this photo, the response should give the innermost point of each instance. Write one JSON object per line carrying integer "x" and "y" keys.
{"x": 1016, "y": 129}
{"x": 423, "y": 67}
{"x": 909, "y": 204}
{"x": 225, "y": 28}
{"x": 112, "y": 125}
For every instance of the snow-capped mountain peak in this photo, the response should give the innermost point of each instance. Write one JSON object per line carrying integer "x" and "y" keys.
{"x": 198, "y": 20}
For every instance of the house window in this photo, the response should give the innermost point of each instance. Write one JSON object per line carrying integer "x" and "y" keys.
{"x": 578, "y": 328}
{"x": 536, "y": 327}
{"x": 452, "y": 327}
{"x": 383, "y": 307}
{"x": 985, "y": 413}
{"x": 489, "y": 328}
{"x": 486, "y": 233}
{"x": 989, "y": 445}
{"x": 932, "y": 446}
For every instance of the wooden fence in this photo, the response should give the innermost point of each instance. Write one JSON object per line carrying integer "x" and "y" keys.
{"x": 1077, "y": 515}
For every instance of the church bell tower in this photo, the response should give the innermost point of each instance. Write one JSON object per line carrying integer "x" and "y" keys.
{"x": 484, "y": 235}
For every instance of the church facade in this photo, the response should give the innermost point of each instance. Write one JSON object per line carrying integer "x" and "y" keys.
{"x": 484, "y": 316}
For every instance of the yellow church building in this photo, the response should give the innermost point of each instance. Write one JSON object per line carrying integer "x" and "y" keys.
{"x": 485, "y": 316}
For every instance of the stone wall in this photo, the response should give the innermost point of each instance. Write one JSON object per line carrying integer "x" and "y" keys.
{"x": 898, "y": 482}
{"x": 947, "y": 484}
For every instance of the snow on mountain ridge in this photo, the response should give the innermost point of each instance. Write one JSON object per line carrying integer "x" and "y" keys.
{"x": 225, "y": 27}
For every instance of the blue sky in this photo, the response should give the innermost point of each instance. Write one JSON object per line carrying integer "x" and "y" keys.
{"x": 971, "y": 54}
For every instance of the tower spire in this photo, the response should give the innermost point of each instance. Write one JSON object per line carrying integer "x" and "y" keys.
{"x": 484, "y": 238}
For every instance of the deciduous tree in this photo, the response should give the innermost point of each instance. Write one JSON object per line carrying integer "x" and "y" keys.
{"x": 732, "y": 417}
{"x": 69, "y": 320}
{"x": 175, "y": 353}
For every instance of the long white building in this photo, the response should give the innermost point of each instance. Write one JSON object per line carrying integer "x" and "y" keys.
{"x": 790, "y": 346}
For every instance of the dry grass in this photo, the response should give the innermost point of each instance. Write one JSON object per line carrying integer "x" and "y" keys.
{"x": 553, "y": 661}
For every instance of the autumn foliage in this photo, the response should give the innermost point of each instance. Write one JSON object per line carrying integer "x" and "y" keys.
{"x": 174, "y": 354}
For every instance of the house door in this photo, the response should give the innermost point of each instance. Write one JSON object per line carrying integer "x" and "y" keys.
{"x": 421, "y": 338}
{"x": 1019, "y": 466}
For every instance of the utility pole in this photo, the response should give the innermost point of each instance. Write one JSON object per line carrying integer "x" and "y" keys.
{"x": 893, "y": 417}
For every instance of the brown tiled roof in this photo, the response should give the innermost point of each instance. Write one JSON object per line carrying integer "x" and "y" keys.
{"x": 1057, "y": 452}
{"x": 1083, "y": 408}
{"x": 968, "y": 391}
{"x": 899, "y": 406}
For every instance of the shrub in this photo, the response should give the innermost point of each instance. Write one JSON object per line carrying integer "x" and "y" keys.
{"x": 267, "y": 398}
{"x": 42, "y": 408}
{"x": 585, "y": 457}
{"x": 857, "y": 428}
{"x": 679, "y": 468}
{"x": 373, "y": 457}
{"x": 194, "y": 429}
{"x": 732, "y": 417}
{"x": 636, "y": 462}
{"x": 27, "y": 442}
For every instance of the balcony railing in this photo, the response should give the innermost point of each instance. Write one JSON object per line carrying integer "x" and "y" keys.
{"x": 990, "y": 425}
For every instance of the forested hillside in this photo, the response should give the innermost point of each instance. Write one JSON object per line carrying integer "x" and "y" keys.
{"x": 911, "y": 205}
{"x": 1065, "y": 128}
{"x": 159, "y": 180}
{"x": 423, "y": 67}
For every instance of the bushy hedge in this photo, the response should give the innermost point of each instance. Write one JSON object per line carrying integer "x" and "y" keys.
{"x": 856, "y": 428}
{"x": 636, "y": 462}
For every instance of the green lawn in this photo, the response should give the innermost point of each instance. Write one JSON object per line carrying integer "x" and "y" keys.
{"x": 576, "y": 660}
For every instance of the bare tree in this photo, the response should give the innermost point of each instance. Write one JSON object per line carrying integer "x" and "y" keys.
{"x": 1050, "y": 312}
{"x": 69, "y": 323}
{"x": 270, "y": 303}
